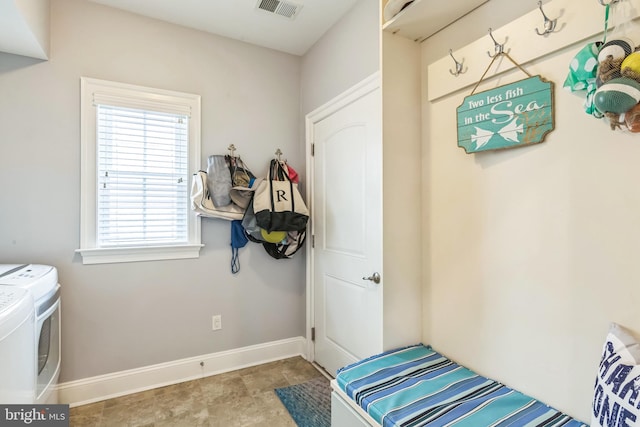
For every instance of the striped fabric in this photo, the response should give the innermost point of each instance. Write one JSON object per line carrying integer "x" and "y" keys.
{"x": 416, "y": 386}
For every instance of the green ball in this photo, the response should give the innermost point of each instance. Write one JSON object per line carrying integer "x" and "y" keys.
{"x": 617, "y": 95}
{"x": 273, "y": 236}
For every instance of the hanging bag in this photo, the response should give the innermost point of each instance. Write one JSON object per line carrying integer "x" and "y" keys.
{"x": 285, "y": 249}
{"x": 238, "y": 240}
{"x": 289, "y": 246}
{"x": 254, "y": 233}
{"x": 218, "y": 180}
{"x": 203, "y": 205}
{"x": 243, "y": 181}
{"x": 278, "y": 204}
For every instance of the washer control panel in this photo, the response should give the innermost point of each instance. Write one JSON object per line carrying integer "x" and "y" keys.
{"x": 8, "y": 296}
{"x": 41, "y": 280}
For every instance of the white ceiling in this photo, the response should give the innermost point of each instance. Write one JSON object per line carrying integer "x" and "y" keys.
{"x": 242, "y": 20}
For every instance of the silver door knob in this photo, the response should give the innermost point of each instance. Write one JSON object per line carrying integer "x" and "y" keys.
{"x": 375, "y": 278}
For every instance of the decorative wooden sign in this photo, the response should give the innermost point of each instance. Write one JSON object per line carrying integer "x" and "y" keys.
{"x": 513, "y": 115}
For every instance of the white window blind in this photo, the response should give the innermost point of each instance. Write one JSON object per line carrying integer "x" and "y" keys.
{"x": 142, "y": 177}
{"x": 138, "y": 147}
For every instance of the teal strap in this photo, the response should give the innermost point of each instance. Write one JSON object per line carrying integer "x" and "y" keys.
{"x": 606, "y": 23}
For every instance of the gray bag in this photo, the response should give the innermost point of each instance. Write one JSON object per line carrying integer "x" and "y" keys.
{"x": 219, "y": 180}
{"x": 250, "y": 226}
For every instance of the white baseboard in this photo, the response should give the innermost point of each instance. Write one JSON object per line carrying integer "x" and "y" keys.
{"x": 94, "y": 389}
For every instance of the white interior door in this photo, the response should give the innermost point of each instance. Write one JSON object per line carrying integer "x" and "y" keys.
{"x": 347, "y": 225}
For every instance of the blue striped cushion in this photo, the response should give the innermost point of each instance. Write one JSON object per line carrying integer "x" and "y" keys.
{"x": 417, "y": 386}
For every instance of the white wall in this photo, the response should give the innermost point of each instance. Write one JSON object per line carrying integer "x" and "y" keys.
{"x": 123, "y": 316}
{"x": 531, "y": 252}
{"x": 402, "y": 213}
{"x": 347, "y": 54}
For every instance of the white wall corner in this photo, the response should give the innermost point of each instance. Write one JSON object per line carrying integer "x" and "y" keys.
{"x": 25, "y": 28}
{"x": 102, "y": 387}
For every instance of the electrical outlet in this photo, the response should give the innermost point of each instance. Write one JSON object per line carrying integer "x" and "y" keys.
{"x": 217, "y": 322}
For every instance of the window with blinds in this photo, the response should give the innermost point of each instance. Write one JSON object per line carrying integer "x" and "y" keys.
{"x": 139, "y": 146}
{"x": 142, "y": 177}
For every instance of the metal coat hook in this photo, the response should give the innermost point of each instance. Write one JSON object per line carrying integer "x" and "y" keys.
{"x": 549, "y": 24}
{"x": 278, "y": 154}
{"x": 232, "y": 150}
{"x": 458, "y": 65}
{"x": 610, "y": 2}
{"x": 499, "y": 48}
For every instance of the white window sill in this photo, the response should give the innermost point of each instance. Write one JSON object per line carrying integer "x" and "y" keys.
{"x": 135, "y": 254}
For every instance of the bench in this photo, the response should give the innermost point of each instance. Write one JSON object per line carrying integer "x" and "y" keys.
{"x": 417, "y": 386}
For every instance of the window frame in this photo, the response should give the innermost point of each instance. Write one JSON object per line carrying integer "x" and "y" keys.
{"x": 128, "y": 95}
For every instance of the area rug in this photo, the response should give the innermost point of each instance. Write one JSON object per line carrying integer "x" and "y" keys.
{"x": 308, "y": 403}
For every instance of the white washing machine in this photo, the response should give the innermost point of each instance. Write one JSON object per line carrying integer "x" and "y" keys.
{"x": 17, "y": 347}
{"x": 42, "y": 282}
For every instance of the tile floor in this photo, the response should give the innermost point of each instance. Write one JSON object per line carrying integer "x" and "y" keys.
{"x": 243, "y": 398}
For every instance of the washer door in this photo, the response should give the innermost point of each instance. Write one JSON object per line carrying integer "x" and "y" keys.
{"x": 48, "y": 361}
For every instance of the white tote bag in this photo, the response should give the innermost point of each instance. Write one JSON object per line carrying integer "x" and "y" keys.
{"x": 278, "y": 204}
{"x": 203, "y": 205}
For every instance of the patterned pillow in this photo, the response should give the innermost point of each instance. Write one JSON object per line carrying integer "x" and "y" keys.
{"x": 616, "y": 401}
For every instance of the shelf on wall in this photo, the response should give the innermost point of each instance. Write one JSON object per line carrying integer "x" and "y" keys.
{"x": 576, "y": 23}
{"x": 423, "y": 18}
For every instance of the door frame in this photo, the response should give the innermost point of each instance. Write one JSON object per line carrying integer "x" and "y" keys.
{"x": 347, "y": 97}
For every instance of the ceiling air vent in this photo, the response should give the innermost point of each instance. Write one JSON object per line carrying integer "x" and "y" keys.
{"x": 282, "y": 8}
